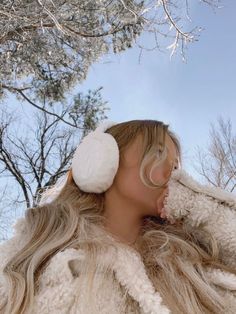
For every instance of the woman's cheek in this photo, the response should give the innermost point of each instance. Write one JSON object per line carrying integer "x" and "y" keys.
{"x": 160, "y": 174}
{"x": 157, "y": 175}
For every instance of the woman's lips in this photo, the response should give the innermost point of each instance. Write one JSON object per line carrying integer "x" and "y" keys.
{"x": 161, "y": 201}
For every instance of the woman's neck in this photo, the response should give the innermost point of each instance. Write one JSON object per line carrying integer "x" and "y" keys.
{"x": 122, "y": 220}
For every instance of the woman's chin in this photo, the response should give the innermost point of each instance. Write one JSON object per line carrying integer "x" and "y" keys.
{"x": 155, "y": 218}
{"x": 154, "y": 212}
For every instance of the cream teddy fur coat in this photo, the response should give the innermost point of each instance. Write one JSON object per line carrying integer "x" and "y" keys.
{"x": 61, "y": 284}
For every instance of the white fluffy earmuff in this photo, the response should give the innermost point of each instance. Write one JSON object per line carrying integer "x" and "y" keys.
{"x": 96, "y": 160}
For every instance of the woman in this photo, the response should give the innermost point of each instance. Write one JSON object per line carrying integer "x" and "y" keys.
{"x": 107, "y": 241}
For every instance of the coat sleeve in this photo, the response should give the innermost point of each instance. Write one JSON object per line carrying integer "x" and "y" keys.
{"x": 204, "y": 208}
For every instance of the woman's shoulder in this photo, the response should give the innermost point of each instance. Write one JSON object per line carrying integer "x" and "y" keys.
{"x": 57, "y": 291}
{"x": 11, "y": 246}
{"x": 62, "y": 267}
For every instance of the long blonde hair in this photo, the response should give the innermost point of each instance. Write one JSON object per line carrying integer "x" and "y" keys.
{"x": 174, "y": 259}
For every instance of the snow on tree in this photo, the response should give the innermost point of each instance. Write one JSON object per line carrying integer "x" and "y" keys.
{"x": 47, "y": 46}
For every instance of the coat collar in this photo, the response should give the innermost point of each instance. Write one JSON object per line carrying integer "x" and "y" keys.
{"x": 126, "y": 264}
{"x": 130, "y": 272}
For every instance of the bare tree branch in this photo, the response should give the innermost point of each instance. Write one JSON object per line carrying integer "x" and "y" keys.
{"x": 41, "y": 153}
{"x": 217, "y": 163}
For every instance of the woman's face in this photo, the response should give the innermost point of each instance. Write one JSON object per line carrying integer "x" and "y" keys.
{"x": 147, "y": 201}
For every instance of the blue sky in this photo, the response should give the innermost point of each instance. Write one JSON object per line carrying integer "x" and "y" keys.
{"x": 187, "y": 96}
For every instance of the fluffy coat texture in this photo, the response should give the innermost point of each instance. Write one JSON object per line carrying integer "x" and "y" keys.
{"x": 61, "y": 285}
